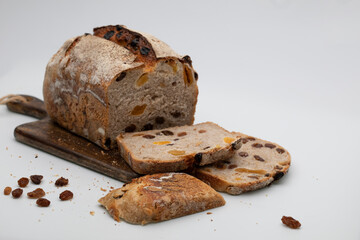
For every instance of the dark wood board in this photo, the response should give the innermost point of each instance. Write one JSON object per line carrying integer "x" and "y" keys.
{"x": 51, "y": 138}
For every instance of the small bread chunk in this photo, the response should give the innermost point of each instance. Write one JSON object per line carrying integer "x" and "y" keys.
{"x": 160, "y": 197}
{"x": 177, "y": 148}
{"x": 254, "y": 166}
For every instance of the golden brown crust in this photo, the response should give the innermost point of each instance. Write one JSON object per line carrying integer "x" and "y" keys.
{"x": 159, "y": 197}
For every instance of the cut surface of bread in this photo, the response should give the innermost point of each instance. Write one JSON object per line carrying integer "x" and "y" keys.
{"x": 118, "y": 80}
{"x": 177, "y": 148}
{"x": 254, "y": 166}
{"x": 159, "y": 197}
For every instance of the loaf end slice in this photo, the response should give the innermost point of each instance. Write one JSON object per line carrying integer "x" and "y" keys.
{"x": 257, "y": 164}
{"x": 177, "y": 148}
{"x": 160, "y": 197}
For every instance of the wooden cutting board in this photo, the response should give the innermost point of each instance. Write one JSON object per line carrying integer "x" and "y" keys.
{"x": 51, "y": 138}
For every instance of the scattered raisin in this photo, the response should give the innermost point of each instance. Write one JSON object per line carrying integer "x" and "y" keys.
{"x": 121, "y": 76}
{"x": 134, "y": 43}
{"x": 291, "y": 222}
{"x": 36, "y": 179}
{"x": 181, "y": 134}
{"x": 198, "y": 158}
{"x": 118, "y": 35}
{"x": 277, "y": 167}
{"x": 280, "y": 150}
{"x": 17, "y": 193}
{"x": 167, "y": 133}
{"x": 159, "y": 120}
{"x": 86, "y": 34}
{"x": 257, "y": 145}
{"x": 148, "y": 136}
{"x": 130, "y": 128}
{"x": 37, "y": 193}
{"x": 187, "y": 59}
{"x": 146, "y": 127}
{"x": 23, "y": 182}
{"x": 269, "y": 145}
{"x": 66, "y": 195}
{"x": 61, "y": 182}
{"x": 43, "y": 202}
{"x": 108, "y": 35}
{"x": 251, "y": 138}
{"x": 118, "y": 27}
{"x": 196, "y": 75}
{"x": 243, "y": 154}
{"x": 176, "y": 114}
{"x": 257, "y": 157}
{"x": 231, "y": 166}
{"x": 202, "y": 131}
{"x": 144, "y": 51}
{"x": 267, "y": 175}
{"x": 244, "y": 140}
{"x": 278, "y": 175}
{"x": 7, "y": 190}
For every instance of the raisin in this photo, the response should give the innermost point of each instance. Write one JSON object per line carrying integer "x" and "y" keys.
{"x": 17, "y": 193}
{"x": 36, "y": 179}
{"x": 159, "y": 120}
{"x": 170, "y": 144}
{"x": 148, "y": 136}
{"x": 220, "y": 165}
{"x": 43, "y": 202}
{"x": 231, "y": 166}
{"x": 61, "y": 182}
{"x": 291, "y": 222}
{"x": 202, "y": 131}
{"x": 144, "y": 51}
{"x": 121, "y": 76}
{"x": 118, "y": 35}
{"x": 196, "y": 76}
{"x": 37, "y": 193}
{"x": 130, "y": 128}
{"x": 267, "y": 175}
{"x": 244, "y": 140}
{"x": 251, "y": 138}
{"x": 243, "y": 154}
{"x": 107, "y": 143}
{"x": 181, "y": 134}
{"x": 269, "y": 145}
{"x": 23, "y": 182}
{"x": 278, "y": 175}
{"x": 108, "y": 35}
{"x": 86, "y": 34}
{"x": 198, "y": 158}
{"x": 257, "y": 145}
{"x": 206, "y": 147}
{"x": 7, "y": 190}
{"x": 176, "y": 139}
{"x": 118, "y": 27}
{"x": 280, "y": 150}
{"x": 66, "y": 195}
{"x": 167, "y": 133}
{"x": 146, "y": 127}
{"x": 257, "y": 157}
{"x": 176, "y": 114}
{"x": 134, "y": 43}
{"x": 187, "y": 59}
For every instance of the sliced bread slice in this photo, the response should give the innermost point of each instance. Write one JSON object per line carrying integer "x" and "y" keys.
{"x": 159, "y": 197}
{"x": 177, "y": 148}
{"x": 254, "y": 166}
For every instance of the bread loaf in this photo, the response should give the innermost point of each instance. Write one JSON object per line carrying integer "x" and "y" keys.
{"x": 257, "y": 164}
{"x": 159, "y": 197}
{"x": 118, "y": 80}
{"x": 177, "y": 148}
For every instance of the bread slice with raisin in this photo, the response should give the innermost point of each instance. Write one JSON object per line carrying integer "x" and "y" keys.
{"x": 177, "y": 148}
{"x": 254, "y": 166}
{"x": 160, "y": 197}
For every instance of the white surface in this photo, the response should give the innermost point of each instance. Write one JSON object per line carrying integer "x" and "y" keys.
{"x": 281, "y": 70}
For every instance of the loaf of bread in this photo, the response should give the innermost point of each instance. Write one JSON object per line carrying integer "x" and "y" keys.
{"x": 118, "y": 80}
{"x": 257, "y": 164}
{"x": 159, "y": 197}
{"x": 177, "y": 148}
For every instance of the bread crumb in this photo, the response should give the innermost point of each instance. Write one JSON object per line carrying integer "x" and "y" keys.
{"x": 20, "y": 157}
{"x": 102, "y": 189}
{"x": 36, "y": 155}
{"x": 208, "y": 213}
{"x": 7, "y": 148}
{"x": 92, "y": 213}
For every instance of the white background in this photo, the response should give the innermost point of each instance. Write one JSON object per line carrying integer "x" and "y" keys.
{"x": 282, "y": 70}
